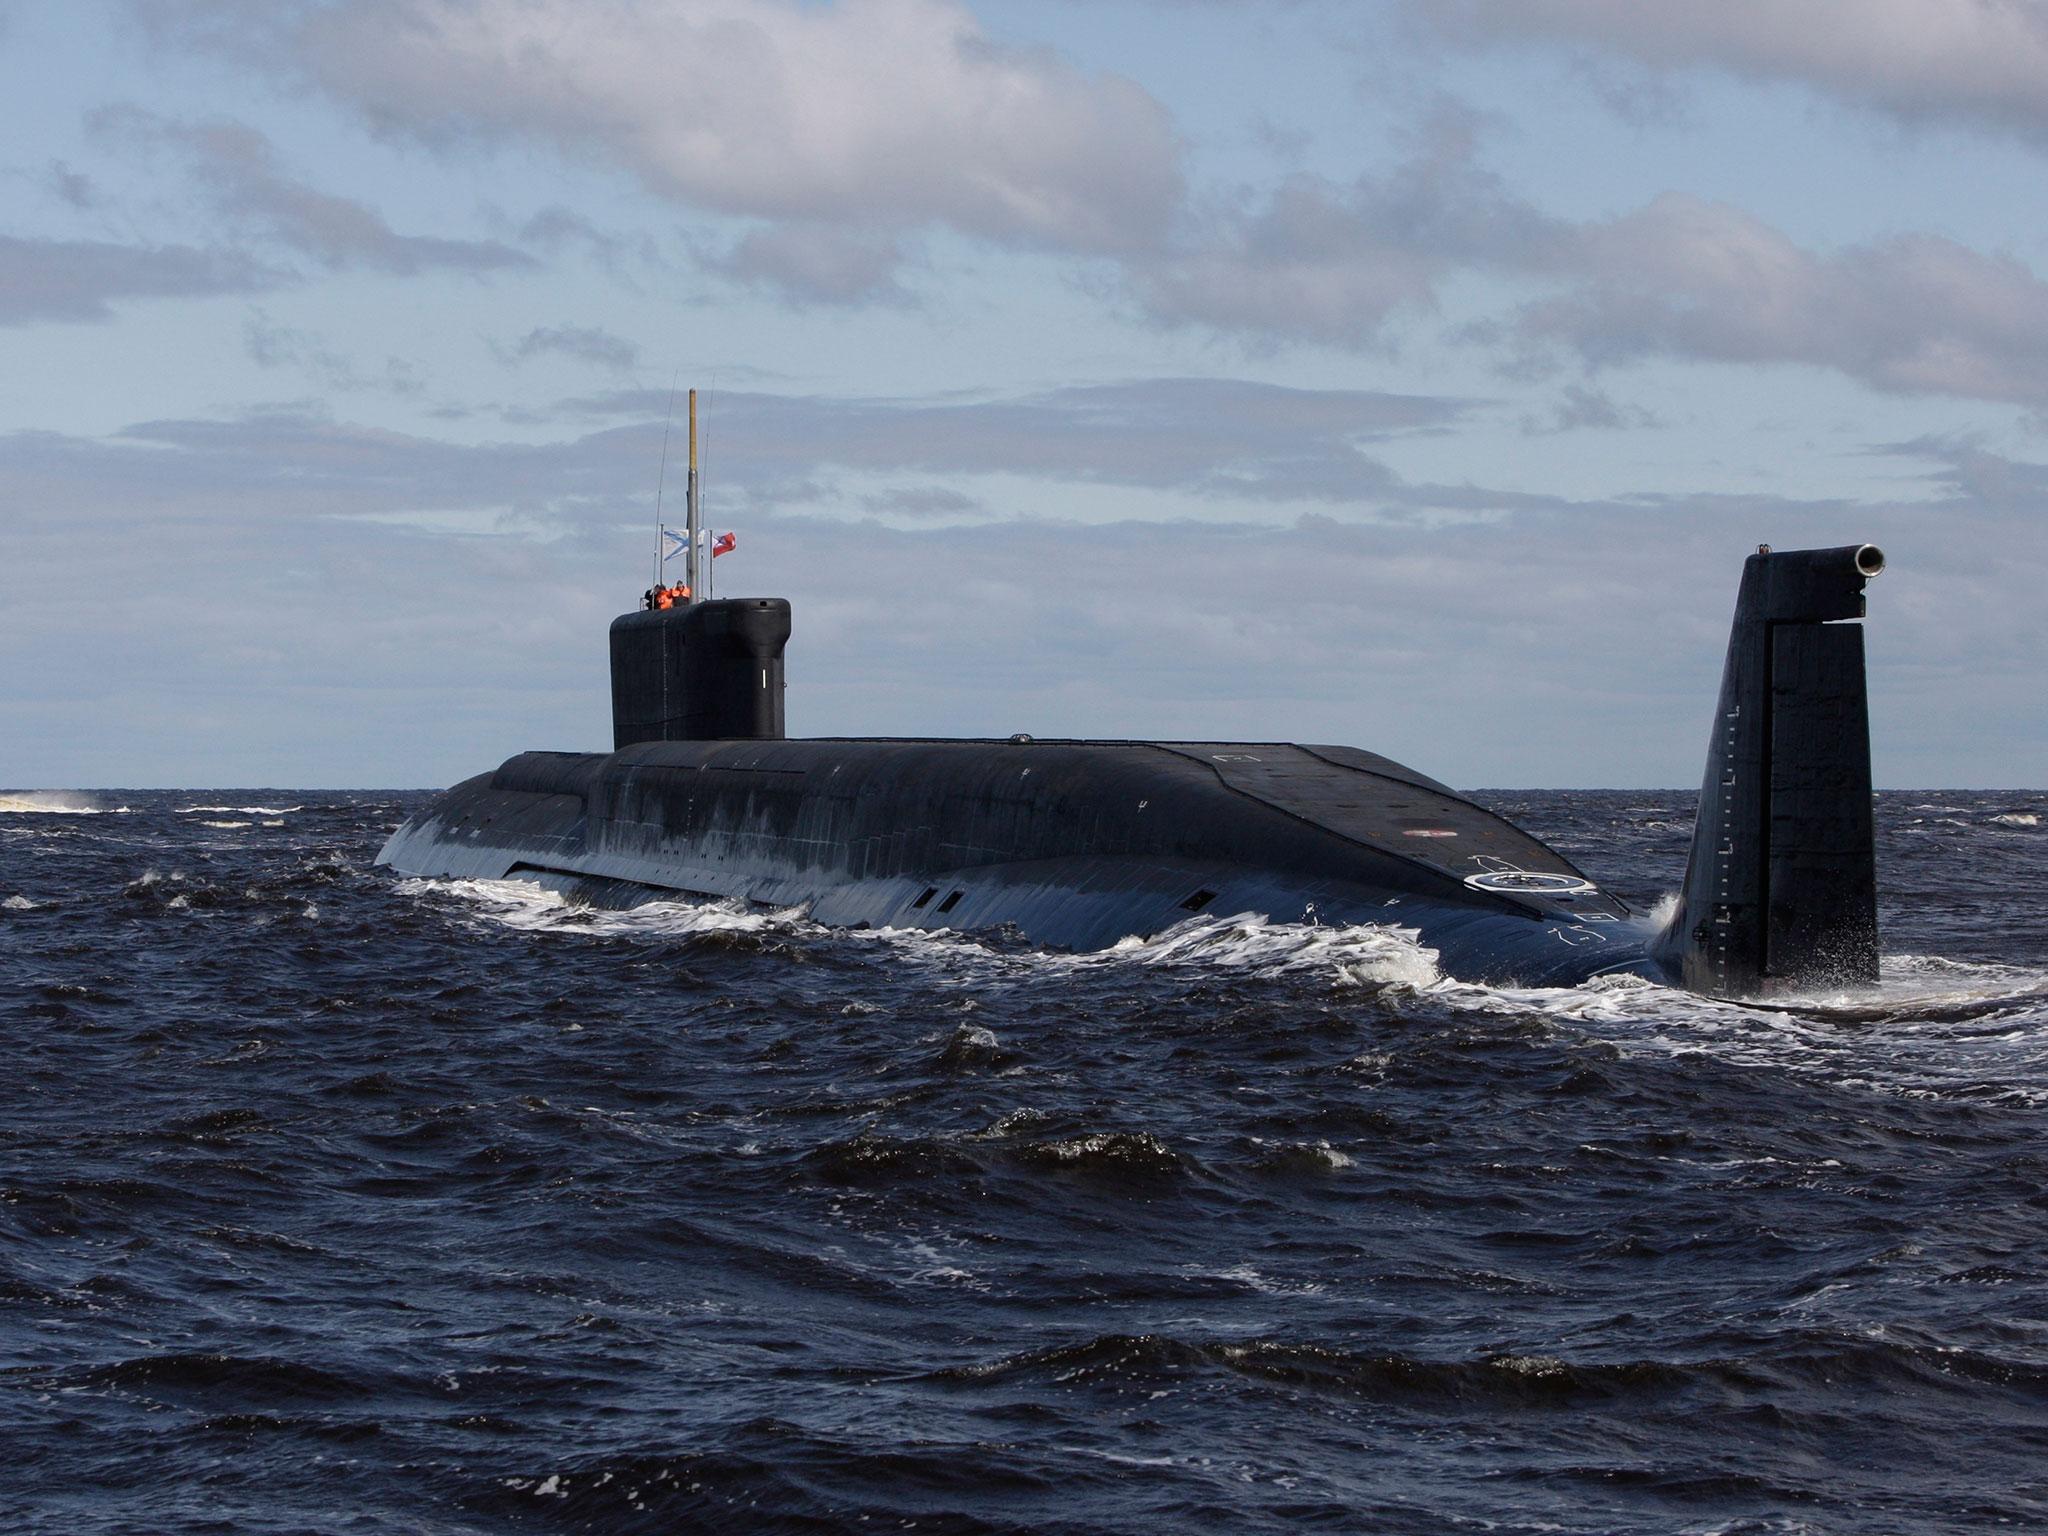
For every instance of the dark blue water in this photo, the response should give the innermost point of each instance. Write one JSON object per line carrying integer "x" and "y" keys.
{"x": 331, "y": 1202}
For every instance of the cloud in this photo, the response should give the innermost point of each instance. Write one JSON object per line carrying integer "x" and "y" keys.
{"x": 1678, "y": 278}
{"x": 933, "y": 501}
{"x": 313, "y": 604}
{"x": 74, "y": 188}
{"x": 1315, "y": 260}
{"x": 1221, "y": 438}
{"x": 270, "y": 345}
{"x": 82, "y": 279}
{"x": 843, "y": 130}
{"x": 556, "y": 229}
{"x": 816, "y": 263}
{"x": 1300, "y": 626}
{"x": 1978, "y": 62}
{"x": 875, "y": 114}
{"x": 1913, "y": 314}
{"x": 588, "y": 344}
{"x": 1581, "y": 408}
{"x": 238, "y": 167}
{"x": 1228, "y": 439}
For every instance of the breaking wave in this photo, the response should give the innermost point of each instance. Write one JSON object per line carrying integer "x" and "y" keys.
{"x": 1366, "y": 954}
{"x": 57, "y": 802}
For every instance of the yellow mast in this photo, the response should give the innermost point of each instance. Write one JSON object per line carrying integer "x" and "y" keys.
{"x": 690, "y": 567}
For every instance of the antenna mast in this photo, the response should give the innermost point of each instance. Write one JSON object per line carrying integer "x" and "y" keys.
{"x": 661, "y": 479}
{"x": 691, "y": 570}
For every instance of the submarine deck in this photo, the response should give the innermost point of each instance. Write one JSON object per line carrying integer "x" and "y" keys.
{"x": 1072, "y": 843}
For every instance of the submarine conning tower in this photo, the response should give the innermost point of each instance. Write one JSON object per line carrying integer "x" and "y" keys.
{"x": 705, "y": 671}
{"x": 1780, "y": 893}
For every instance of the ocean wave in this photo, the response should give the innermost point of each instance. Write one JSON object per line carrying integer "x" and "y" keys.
{"x": 1365, "y": 954}
{"x": 1829, "y": 1362}
{"x": 1932, "y": 1026}
{"x": 238, "y": 810}
{"x": 704, "y": 1216}
{"x": 57, "y": 802}
{"x": 193, "y": 1378}
{"x": 1117, "y": 1155}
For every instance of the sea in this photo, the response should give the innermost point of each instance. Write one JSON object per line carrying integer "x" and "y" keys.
{"x": 335, "y": 1201}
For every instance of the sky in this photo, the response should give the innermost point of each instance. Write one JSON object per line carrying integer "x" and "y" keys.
{"x": 1410, "y": 374}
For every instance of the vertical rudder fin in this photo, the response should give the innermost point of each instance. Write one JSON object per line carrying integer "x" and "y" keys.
{"x": 1780, "y": 893}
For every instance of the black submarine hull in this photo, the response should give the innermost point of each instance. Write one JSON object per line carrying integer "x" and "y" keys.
{"x": 1072, "y": 845}
{"x": 1082, "y": 844}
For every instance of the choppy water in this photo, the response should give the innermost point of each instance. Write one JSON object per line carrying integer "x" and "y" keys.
{"x": 333, "y": 1202}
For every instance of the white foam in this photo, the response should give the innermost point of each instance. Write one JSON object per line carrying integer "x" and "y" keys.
{"x": 2016, "y": 819}
{"x": 56, "y": 802}
{"x": 224, "y": 825}
{"x": 18, "y": 904}
{"x": 239, "y": 810}
{"x": 1664, "y": 912}
{"x": 1933, "y": 1026}
{"x": 522, "y": 904}
{"x": 1367, "y": 954}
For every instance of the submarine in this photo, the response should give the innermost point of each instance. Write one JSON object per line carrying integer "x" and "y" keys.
{"x": 1078, "y": 845}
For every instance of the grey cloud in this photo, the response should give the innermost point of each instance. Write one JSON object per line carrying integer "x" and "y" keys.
{"x": 1213, "y": 437}
{"x": 73, "y": 188}
{"x": 1967, "y": 472}
{"x": 1911, "y": 314}
{"x": 238, "y": 166}
{"x": 82, "y": 279}
{"x": 1205, "y": 437}
{"x": 1580, "y": 408}
{"x": 925, "y": 501}
{"x": 588, "y": 344}
{"x": 1318, "y": 261}
{"x": 1982, "y": 62}
{"x": 815, "y": 263}
{"x": 1308, "y": 266}
{"x": 556, "y": 228}
{"x": 1486, "y": 652}
{"x": 1029, "y": 150}
{"x": 252, "y": 30}
{"x": 894, "y": 113}
{"x": 271, "y": 345}
{"x": 1680, "y": 278}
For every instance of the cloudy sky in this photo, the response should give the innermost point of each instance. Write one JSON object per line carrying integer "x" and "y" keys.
{"x": 1405, "y": 373}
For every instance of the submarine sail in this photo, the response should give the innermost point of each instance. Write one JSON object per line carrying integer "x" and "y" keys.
{"x": 1079, "y": 844}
